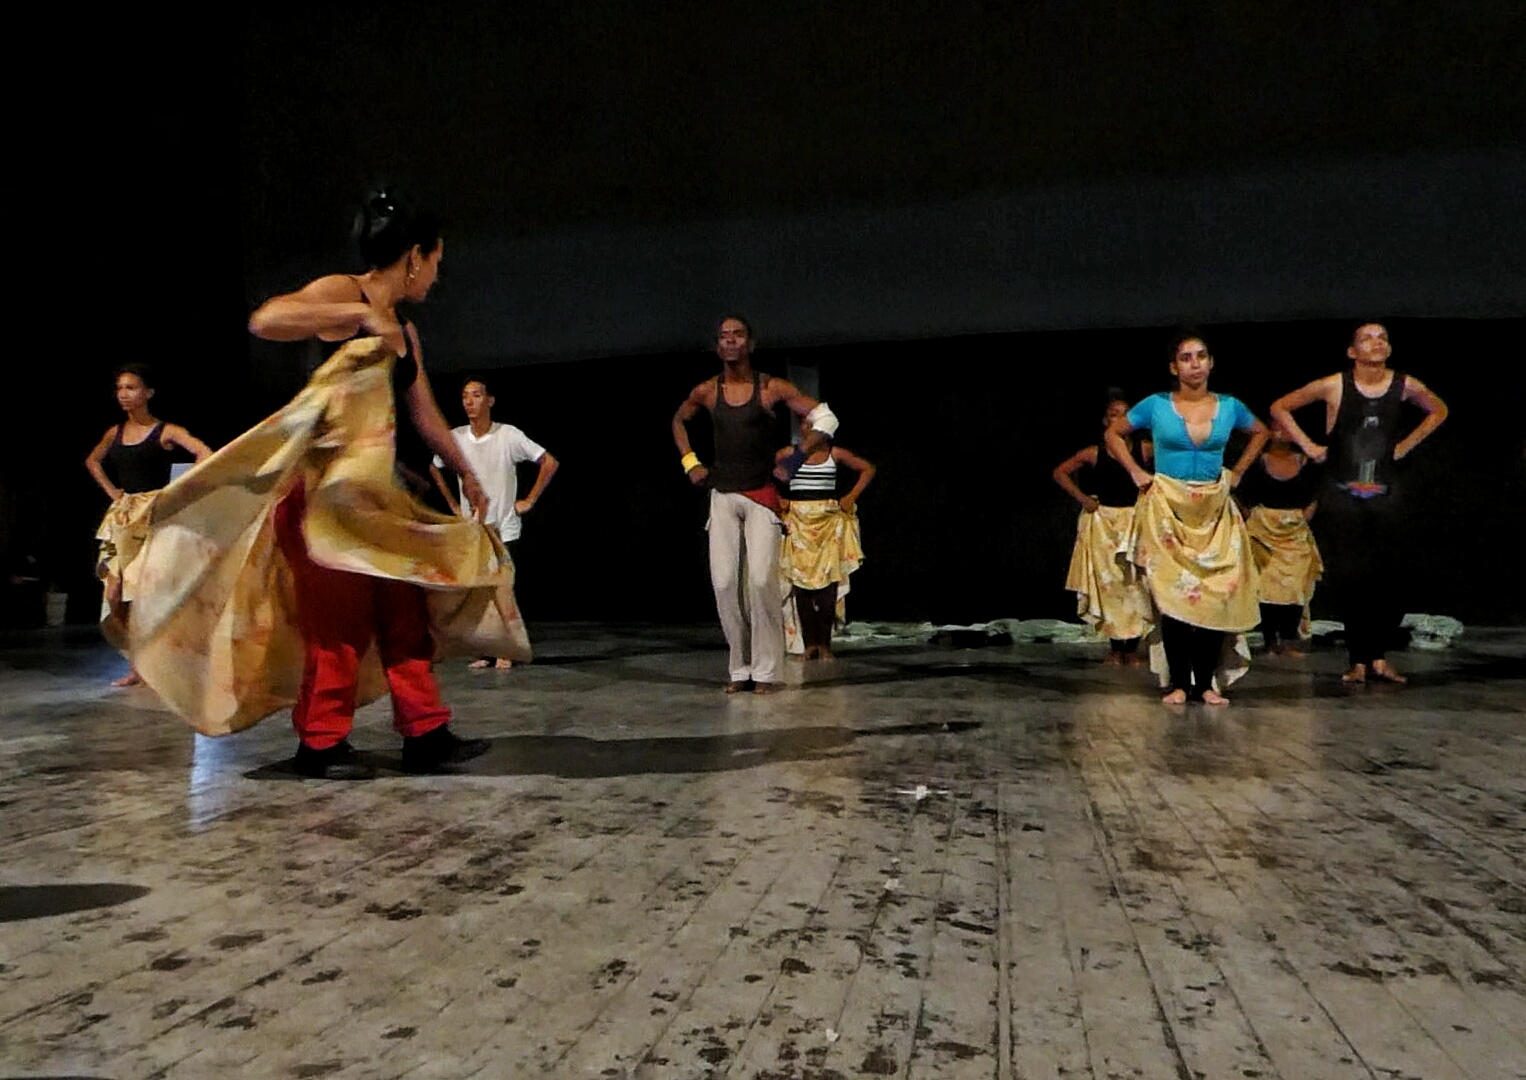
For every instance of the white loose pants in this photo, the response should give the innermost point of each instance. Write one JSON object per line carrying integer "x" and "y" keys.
{"x": 737, "y": 522}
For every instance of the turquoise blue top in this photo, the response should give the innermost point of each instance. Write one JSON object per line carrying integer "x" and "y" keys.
{"x": 1176, "y": 455}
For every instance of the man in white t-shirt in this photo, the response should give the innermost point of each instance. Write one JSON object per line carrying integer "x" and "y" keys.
{"x": 494, "y": 450}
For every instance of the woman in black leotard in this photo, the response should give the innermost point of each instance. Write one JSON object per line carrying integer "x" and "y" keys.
{"x": 1110, "y": 593}
{"x": 131, "y": 462}
{"x": 1281, "y": 491}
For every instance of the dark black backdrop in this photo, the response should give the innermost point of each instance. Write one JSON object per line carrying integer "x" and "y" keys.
{"x": 202, "y": 172}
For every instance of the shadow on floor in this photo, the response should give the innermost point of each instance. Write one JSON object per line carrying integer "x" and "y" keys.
{"x": 19, "y": 902}
{"x": 577, "y": 757}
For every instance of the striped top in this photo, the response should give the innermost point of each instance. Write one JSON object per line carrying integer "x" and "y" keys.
{"x": 815, "y": 481}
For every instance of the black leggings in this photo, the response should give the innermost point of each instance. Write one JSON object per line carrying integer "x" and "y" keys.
{"x": 1124, "y": 646}
{"x": 1364, "y": 554}
{"x": 1192, "y": 653}
{"x": 1279, "y": 622}
{"x": 817, "y": 610}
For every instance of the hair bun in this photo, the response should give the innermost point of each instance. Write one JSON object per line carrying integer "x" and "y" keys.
{"x": 388, "y": 224}
{"x": 381, "y": 208}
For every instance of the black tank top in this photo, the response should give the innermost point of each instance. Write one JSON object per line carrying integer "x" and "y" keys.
{"x": 139, "y": 466}
{"x": 744, "y": 441}
{"x": 1111, "y": 482}
{"x": 1361, "y": 460}
{"x": 1261, "y": 488}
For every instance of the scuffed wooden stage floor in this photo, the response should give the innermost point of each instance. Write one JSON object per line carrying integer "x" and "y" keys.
{"x": 922, "y": 862}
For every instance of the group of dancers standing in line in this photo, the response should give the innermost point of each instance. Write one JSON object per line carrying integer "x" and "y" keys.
{"x": 1192, "y": 556}
{"x": 261, "y": 578}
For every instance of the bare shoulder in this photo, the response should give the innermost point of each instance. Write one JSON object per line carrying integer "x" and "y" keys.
{"x": 1419, "y": 394}
{"x": 777, "y": 390}
{"x": 332, "y": 289}
{"x": 1327, "y": 386}
{"x": 704, "y": 394}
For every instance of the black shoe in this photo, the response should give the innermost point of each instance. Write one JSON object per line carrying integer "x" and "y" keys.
{"x": 338, "y": 762}
{"x": 437, "y": 750}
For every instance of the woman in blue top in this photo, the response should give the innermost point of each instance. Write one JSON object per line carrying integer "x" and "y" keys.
{"x": 1189, "y": 537}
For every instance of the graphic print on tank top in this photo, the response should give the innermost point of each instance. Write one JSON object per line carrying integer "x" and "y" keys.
{"x": 1361, "y": 461}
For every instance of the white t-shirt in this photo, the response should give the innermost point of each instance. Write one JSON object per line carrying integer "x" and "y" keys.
{"x": 493, "y": 458}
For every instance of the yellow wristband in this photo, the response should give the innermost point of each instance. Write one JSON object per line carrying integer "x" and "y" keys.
{"x": 690, "y": 460}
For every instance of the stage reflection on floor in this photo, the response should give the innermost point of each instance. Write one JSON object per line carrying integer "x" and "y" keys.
{"x": 915, "y": 862}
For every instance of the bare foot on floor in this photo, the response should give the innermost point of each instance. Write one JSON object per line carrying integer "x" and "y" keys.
{"x": 764, "y": 688}
{"x": 1213, "y": 697}
{"x": 813, "y": 653}
{"x": 479, "y": 664}
{"x": 826, "y": 654}
{"x": 1385, "y": 671}
{"x": 1356, "y": 676}
{"x": 1112, "y": 659}
{"x": 1135, "y": 660}
{"x": 1296, "y": 654}
{"x": 1175, "y": 697}
{"x": 503, "y": 663}
{"x": 736, "y": 687}
{"x": 132, "y": 678}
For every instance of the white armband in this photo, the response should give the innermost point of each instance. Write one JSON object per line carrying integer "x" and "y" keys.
{"x": 822, "y": 419}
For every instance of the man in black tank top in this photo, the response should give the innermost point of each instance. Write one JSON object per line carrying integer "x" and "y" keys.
{"x": 744, "y": 504}
{"x": 1364, "y": 490}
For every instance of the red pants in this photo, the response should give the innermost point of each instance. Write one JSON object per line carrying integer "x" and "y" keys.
{"x": 338, "y": 614}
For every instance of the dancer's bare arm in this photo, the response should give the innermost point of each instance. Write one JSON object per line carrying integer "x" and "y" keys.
{"x": 1435, "y": 415}
{"x": 432, "y": 428}
{"x": 1117, "y": 442}
{"x": 1282, "y": 410}
{"x": 330, "y": 308}
{"x": 862, "y": 466}
{"x": 548, "y": 467}
{"x": 701, "y": 397}
{"x": 439, "y": 482}
{"x": 94, "y": 468}
{"x": 1064, "y": 475}
{"x": 179, "y": 436}
{"x": 782, "y": 391}
{"x": 1253, "y": 447}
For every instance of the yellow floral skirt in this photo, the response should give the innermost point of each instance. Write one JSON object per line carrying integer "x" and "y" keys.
{"x": 1191, "y": 545}
{"x": 1111, "y": 596}
{"x": 214, "y": 621}
{"x": 121, "y": 535}
{"x": 821, "y": 546}
{"x": 1287, "y": 558}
